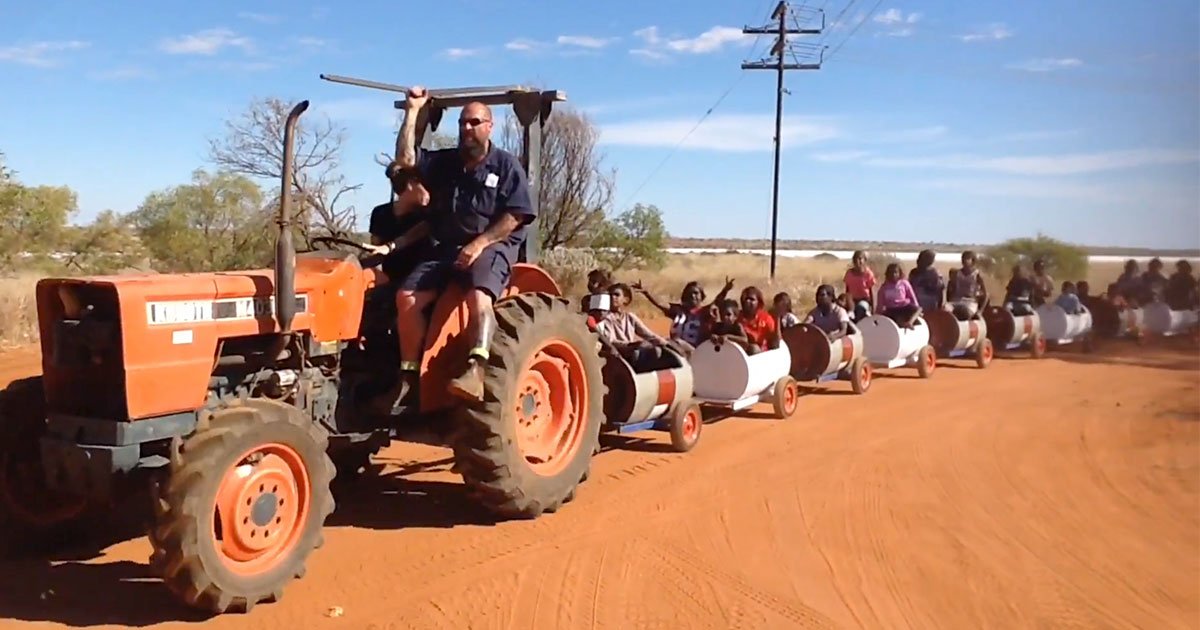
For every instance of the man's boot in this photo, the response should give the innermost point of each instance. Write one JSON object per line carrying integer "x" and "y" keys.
{"x": 469, "y": 385}
{"x": 401, "y": 394}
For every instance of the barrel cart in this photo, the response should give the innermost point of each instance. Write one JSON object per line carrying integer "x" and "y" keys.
{"x": 1061, "y": 328}
{"x": 1010, "y": 332}
{"x": 1162, "y": 321}
{"x": 655, "y": 396}
{"x": 817, "y": 358}
{"x": 889, "y": 345}
{"x": 728, "y": 378}
{"x": 954, "y": 338}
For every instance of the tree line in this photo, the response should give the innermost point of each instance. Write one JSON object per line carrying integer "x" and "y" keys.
{"x": 223, "y": 217}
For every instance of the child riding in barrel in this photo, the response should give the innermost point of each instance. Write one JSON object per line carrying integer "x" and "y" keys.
{"x": 1181, "y": 293}
{"x": 1068, "y": 300}
{"x": 1043, "y": 284}
{"x": 860, "y": 282}
{"x": 828, "y": 315}
{"x": 781, "y": 310}
{"x": 756, "y": 321}
{"x": 689, "y": 316}
{"x": 966, "y": 290}
{"x": 927, "y": 282}
{"x": 1018, "y": 294}
{"x": 626, "y": 332}
{"x": 897, "y": 299}
{"x": 727, "y": 327}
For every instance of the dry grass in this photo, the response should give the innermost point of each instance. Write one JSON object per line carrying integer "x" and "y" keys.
{"x": 18, "y": 310}
{"x": 798, "y": 277}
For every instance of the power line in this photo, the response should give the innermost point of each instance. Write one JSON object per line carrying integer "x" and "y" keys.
{"x": 684, "y": 139}
{"x": 855, "y": 29}
{"x": 776, "y": 62}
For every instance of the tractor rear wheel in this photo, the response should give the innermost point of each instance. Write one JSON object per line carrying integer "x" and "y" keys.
{"x": 241, "y": 506}
{"x": 32, "y": 517}
{"x": 528, "y": 445}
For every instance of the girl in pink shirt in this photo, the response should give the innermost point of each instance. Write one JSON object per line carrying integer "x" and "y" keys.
{"x": 860, "y": 281}
{"x": 897, "y": 299}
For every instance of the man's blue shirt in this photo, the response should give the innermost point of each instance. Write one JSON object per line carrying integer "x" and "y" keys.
{"x": 463, "y": 204}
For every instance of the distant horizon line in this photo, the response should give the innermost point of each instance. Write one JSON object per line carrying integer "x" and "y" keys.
{"x": 706, "y": 243}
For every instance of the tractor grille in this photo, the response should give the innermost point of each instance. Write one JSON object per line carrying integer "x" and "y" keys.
{"x": 85, "y": 373}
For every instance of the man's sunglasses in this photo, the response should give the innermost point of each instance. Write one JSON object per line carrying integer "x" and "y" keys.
{"x": 472, "y": 122}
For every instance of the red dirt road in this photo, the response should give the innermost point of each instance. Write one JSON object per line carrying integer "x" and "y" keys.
{"x": 1059, "y": 493}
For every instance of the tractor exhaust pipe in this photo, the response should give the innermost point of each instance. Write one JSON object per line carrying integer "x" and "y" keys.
{"x": 285, "y": 251}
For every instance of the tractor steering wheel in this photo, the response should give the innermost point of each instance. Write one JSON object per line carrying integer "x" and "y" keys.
{"x": 341, "y": 241}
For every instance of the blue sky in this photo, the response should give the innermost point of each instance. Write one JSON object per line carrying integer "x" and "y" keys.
{"x": 938, "y": 120}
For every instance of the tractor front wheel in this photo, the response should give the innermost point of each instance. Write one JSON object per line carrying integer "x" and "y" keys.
{"x": 241, "y": 506}
{"x": 32, "y": 517}
{"x": 525, "y": 448}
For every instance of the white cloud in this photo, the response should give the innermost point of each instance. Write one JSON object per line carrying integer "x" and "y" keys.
{"x": 1019, "y": 187}
{"x": 264, "y": 18}
{"x": 992, "y": 32}
{"x": 461, "y": 53}
{"x": 584, "y": 41}
{"x": 1042, "y": 165}
{"x": 737, "y": 133}
{"x": 39, "y": 54}
{"x": 206, "y": 42}
{"x": 899, "y": 24}
{"x": 1048, "y": 64}
{"x": 124, "y": 73}
{"x": 840, "y": 156}
{"x": 711, "y": 40}
{"x": 655, "y": 46}
{"x": 522, "y": 44}
{"x": 312, "y": 43}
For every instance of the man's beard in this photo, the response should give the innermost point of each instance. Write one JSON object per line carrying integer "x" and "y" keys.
{"x": 473, "y": 151}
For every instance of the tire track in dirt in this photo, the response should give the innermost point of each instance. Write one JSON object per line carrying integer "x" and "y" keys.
{"x": 972, "y": 504}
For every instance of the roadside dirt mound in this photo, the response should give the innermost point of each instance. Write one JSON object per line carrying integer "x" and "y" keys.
{"x": 1055, "y": 493}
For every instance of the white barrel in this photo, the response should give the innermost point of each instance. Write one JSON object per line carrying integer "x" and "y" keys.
{"x": 1161, "y": 320}
{"x": 1058, "y": 325}
{"x": 948, "y": 333}
{"x": 1131, "y": 321}
{"x": 726, "y": 372}
{"x": 884, "y": 340}
{"x": 814, "y": 355}
{"x": 1005, "y": 329}
{"x": 634, "y": 397}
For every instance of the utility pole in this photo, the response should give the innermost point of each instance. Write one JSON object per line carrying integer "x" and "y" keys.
{"x": 776, "y": 62}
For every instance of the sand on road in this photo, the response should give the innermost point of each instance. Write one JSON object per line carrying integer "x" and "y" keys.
{"x": 1062, "y": 493}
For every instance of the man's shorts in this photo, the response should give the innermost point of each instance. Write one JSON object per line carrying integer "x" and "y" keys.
{"x": 490, "y": 272}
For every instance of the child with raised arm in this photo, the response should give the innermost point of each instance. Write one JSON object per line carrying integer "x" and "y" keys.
{"x": 689, "y": 316}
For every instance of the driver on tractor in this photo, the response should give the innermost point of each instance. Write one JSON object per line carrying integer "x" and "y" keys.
{"x": 479, "y": 212}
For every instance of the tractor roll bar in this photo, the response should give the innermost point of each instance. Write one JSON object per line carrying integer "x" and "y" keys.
{"x": 529, "y": 104}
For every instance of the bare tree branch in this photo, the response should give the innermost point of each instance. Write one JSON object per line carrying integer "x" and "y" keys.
{"x": 576, "y": 193}
{"x": 253, "y": 146}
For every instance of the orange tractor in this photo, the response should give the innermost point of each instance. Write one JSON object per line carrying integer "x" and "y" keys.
{"x": 236, "y": 395}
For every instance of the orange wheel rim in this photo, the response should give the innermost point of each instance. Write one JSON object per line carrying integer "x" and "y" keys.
{"x": 551, "y": 400}
{"x": 23, "y": 490}
{"x": 789, "y": 398}
{"x": 691, "y": 425}
{"x": 262, "y": 505}
{"x": 1041, "y": 345}
{"x": 931, "y": 361}
{"x": 866, "y": 374}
